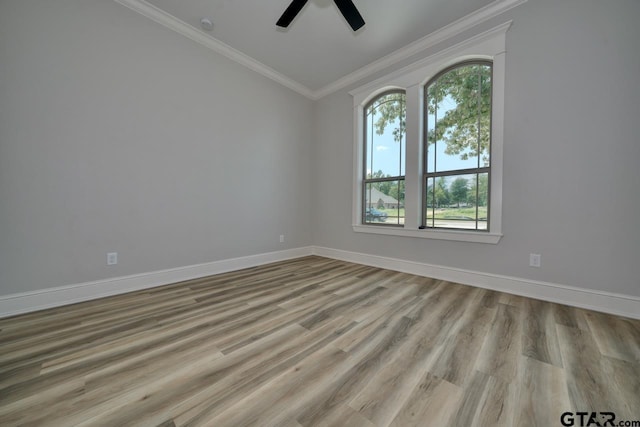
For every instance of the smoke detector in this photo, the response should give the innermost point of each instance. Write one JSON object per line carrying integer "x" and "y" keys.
{"x": 206, "y": 24}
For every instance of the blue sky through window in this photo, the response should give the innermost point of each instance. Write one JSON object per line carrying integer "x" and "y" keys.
{"x": 386, "y": 151}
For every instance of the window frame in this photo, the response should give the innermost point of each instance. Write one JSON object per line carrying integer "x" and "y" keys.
{"x": 426, "y": 175}
{"x": 489, "y": 45}
{"x": 365, "y": 180}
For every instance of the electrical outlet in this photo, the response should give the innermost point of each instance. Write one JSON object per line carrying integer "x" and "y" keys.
{"x": 534, "y": 260}
{"x": 282, "y": 238}
{"x": 112, "y": 258}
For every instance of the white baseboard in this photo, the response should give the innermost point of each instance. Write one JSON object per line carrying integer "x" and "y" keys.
{"x": 47, "y": 298}
{"x": 623, "y": 305}
{"x": 607, "y": 302}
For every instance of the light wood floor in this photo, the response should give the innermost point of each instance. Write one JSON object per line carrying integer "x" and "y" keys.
{"x": 315, "y": 341}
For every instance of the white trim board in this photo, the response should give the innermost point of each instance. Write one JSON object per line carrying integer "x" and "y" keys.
{"x": 607, "y": 302}
{"x": 465, "y": 23}
{"x": 622, "y": 305}
{"x": 26, "y": 302}
{"x": 449, "y": 31}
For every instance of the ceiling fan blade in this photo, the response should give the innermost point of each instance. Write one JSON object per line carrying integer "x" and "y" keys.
{"x": 294, "y": 8}
{"x": 350, "y": 13}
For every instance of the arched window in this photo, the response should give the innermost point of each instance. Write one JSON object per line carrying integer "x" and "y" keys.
{"x": 384, "y": 159}
{"x": 457, "y": 147}
{"x": 444, "y": 118}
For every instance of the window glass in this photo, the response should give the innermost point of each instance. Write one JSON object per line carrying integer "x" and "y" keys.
{"x": 384, "y": 159}
{"x": 458, "y": 148}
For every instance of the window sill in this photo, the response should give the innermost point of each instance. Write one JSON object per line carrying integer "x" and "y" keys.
{"x": 460, "y": 236}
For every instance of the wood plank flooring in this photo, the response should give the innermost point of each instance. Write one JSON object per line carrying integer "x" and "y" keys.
{"x": 316, "y": 342}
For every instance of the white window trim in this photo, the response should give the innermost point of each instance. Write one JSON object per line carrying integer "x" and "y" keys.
{"x": 489, "y": 45}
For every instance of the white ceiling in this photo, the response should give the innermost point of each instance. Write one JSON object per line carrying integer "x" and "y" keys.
{"x": 319, "y": 48}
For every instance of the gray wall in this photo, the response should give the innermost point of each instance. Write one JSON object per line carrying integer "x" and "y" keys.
{"x": 572, "y": 153}
{"x": 117, "y": 134}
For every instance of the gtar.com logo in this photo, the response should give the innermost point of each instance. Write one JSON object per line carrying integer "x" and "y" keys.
{"x": 594, "y": 419}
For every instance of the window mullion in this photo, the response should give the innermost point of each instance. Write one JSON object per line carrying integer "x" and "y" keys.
{"x": 479, "y": 103}
{"x": 457, "y": 172}
{"x": 413, "y": 159}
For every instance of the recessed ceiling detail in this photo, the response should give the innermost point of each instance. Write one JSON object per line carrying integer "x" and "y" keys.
{"x": 320, "y": 54}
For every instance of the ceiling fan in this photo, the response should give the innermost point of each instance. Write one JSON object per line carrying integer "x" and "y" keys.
{"x": 347, "y": 8}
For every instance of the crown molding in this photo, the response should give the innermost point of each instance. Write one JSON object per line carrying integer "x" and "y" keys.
{"x": 485, "y": 36}
{"x": 163, "y": 18}
{"x": 481, "y": 15}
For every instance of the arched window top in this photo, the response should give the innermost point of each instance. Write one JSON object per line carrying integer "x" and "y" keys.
{"x": 458, "y": 108}
{"x": 387, "y": 113}
{"x": 462, "y": 69}
{"x": 382, "y": 95}
{"x": 391, "y": 95}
